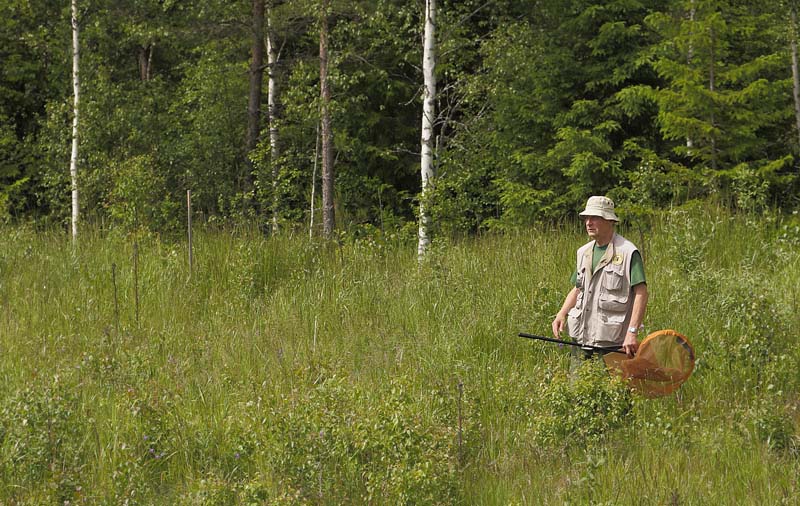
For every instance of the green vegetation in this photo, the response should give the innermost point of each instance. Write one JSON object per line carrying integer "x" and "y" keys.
{"x": 283, "y": 371}
{"x": 540, "y": 104}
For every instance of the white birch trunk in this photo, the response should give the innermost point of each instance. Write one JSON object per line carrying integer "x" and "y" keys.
{"x": 328, "y": 208}
{"x": 272, "y": 60}
{"x": 76, "y": 87}
{"x": 428, "y": 113}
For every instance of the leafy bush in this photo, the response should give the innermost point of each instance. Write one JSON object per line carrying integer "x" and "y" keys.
{"x": 137, "y": 198}
{"x": 584, "y": 409}
{"x": 790, "y": 230}
{"x": 339, "y": 444}
{"x": 40, "y": 428}
{"x": 774, "y": 427}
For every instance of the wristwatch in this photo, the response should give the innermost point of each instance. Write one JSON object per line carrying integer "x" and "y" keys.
{"x": 633, "y": 330}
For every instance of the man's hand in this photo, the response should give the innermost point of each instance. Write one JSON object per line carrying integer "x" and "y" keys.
{"x": 558, "y": 325}
{"x": 560, "y": 322}
{"x": 630, "y": 345}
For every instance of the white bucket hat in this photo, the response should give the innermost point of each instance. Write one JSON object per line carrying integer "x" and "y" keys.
{"x": 599, "y": 206}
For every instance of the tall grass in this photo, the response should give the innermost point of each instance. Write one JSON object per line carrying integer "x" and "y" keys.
{"x": 285, "y": 371}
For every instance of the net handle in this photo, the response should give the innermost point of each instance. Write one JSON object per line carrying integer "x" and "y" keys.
{"x": 613, "y": 349}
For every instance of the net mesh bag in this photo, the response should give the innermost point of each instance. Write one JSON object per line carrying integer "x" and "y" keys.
{"x": 665, "y": 360}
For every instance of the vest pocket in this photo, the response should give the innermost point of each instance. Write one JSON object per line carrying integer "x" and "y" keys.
{"x": 613, "y": 303}
{"x": 574, "y": 322}
{"x": 612, "y": 278}
{"x": 611, "y": 328}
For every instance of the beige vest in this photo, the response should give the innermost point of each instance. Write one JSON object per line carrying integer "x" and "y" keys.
{"x": 602, "y": 312}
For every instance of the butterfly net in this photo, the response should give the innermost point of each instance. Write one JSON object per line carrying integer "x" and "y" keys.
{"x": 664, "y": 361}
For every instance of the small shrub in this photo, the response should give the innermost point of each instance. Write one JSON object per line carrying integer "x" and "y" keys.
{"x": 342, "y": 444}
{"x": 40, "y": 428}
{"x": 583, "y": 409}
{"x": 754, "y": 325}
{"x": 774, "y": 427}
{"x": 789, "y": 232}
{"x": 136, "y": 198}
{"x": 210, "y": 491}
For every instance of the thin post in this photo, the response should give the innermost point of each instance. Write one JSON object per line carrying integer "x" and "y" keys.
{"x": 314, "y": 346}
{"x": 136, "y": 278}
{"x": 116, "y": 300}
{"x": 189, "y": 227}
{"x": 319, "y": 464}
{"x": 460, "y": 418}
{"x": 314, "y": 186}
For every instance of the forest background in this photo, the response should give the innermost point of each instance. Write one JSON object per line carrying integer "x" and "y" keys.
{"x": 539, "y": 104}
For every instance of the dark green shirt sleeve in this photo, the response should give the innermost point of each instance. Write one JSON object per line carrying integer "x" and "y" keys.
{"x": 637, "y": 269}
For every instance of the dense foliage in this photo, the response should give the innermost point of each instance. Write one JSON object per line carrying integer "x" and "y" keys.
{"x": 540, "y": 104}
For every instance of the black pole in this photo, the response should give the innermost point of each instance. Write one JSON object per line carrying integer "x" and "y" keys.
{"x": 615, "y": 349}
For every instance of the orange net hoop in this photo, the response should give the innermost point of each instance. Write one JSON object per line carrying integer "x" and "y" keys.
{"x": 664, "y": 361}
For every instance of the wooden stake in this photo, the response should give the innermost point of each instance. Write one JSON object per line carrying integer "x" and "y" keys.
{"x": 313, "y": 186}
{"x": 136, "y": 278}
{"x": 189, "y": 226}
{"x": 460, "y": 418}
{"x": 116, "y": 301}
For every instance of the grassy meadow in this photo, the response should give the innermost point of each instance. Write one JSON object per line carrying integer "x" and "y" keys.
{"x": 286, "y": 371}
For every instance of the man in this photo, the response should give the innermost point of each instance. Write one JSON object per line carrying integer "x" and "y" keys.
{"x": 606, "y": 306}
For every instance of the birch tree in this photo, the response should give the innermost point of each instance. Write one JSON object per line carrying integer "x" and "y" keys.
{"x": 272, "y": 61}
{"x": 428, "y": 113}
{"x": 328, "y": 218}
{"x": 76, "y": 88}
